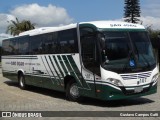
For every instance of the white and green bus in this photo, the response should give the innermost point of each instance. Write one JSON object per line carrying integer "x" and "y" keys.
{"x": 107, "y": 60}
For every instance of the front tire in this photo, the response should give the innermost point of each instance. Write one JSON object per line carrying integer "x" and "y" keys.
{"x": 72, "y": 91}
{"x": 22, "y": 82}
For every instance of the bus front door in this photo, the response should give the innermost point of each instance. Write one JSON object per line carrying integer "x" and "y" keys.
{"x": 90, "y": 62}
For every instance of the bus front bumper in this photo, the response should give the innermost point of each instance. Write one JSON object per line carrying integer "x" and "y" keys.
{"x": 110, "y": 93}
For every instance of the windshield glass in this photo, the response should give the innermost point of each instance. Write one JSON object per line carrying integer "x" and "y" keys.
{"x": 127, "y": 52}
{"x": 143, "y": 49}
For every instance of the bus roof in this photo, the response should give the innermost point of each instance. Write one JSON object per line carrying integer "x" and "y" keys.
{"x": 114, "y": 25}
{"x": 47, "y": 30}
{"x": 98, "y": 24}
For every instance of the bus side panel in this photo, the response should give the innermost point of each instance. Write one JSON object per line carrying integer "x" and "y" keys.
{"x": 89, "y": 92}
{"x": 44, "y": 82}
{"x": 81, "y": 76}
{"x": 49, "y": 84}
{"x": 43, "y": 73}
{"x": 8, "y": 70}
{"x": 10, "y": 76}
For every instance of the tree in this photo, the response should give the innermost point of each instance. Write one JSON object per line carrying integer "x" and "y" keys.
{"x": 16, "y": 27}
{"x": 154, "y": 36}
{"x": 132, "y": 11}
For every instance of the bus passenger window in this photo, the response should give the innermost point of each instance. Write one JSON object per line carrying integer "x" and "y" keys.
{"x": 68, "y": 41}
{"x": 6, "y": 50}
{"x": 24, "y": 46}
{"x": 14, "y": 47}
{"x": 36, "y": 44}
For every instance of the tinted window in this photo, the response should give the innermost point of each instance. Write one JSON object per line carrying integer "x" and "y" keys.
{"x": 55, "y": 49}
{"x": 89, "y": 50}
{"x": 142, "y": 49}
{"x": 141, "y": 42}
{"x": 6, "y": 48}
{"x": 49, "y": 45}
{"x": 14, "y": 47}
{"x": 67, "y": 41}
{"x": 87, "y": 44}
{"x": 36, "y": 44}
{"x": 55, "y": 42}
{"x": 117, "y": 45}
{"x": 24, "y": 46}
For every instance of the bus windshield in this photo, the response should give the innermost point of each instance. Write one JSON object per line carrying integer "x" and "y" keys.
{"x": 127, "y": 52}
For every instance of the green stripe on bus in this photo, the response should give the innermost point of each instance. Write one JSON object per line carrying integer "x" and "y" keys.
{"x": 55, "y": 68}
{"x": 73, "y": 64}
{"x": 62, "y": 64}
{"x": 77, "y": 71}
{"x": 47, "y": 70}
{"x": 67, "y": 63}
{"x": 50, "y": 69}
{"x": 58, "y": 66}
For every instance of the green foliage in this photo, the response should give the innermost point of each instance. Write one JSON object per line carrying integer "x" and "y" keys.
{"x": 154, "y": 36}
{"x": 16, "y": 27}
{"x": 153, "y": 33}
{"x": 132, "y": 11}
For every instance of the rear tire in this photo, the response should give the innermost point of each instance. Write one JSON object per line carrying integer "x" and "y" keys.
{"x": 72, "y": 91}
{"x": 22, "y": 81}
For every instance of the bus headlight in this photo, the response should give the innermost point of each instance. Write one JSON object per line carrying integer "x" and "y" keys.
{"x": 155, "y": 77}
{"x": 115, "y": 81}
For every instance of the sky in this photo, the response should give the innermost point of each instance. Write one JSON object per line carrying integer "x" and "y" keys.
{"x": 46, "y": 13}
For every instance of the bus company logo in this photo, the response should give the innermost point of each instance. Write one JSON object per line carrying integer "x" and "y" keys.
{"x": 6, "y": 114}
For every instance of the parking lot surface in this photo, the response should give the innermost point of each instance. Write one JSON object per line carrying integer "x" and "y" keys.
{"x": 12, "y": 98}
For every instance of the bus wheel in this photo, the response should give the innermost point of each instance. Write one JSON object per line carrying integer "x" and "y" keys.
{"x": 72, "y": 91}
{"x": 22, "y": 81}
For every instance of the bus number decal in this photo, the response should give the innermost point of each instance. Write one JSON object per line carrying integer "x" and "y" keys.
{"x": 87, "y": 76}
{"x": 142, "y": 80}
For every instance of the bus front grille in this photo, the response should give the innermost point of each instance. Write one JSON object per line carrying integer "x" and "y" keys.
{"x": 136, "y": 75}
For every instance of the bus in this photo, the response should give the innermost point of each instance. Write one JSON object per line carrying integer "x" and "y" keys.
{"x": 106, "y": 60}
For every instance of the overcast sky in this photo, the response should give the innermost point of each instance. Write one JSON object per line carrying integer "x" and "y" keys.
{"x": 61, "y": 12}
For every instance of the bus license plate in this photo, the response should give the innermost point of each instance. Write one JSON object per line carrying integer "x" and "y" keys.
{"x": 138, "y": 89}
